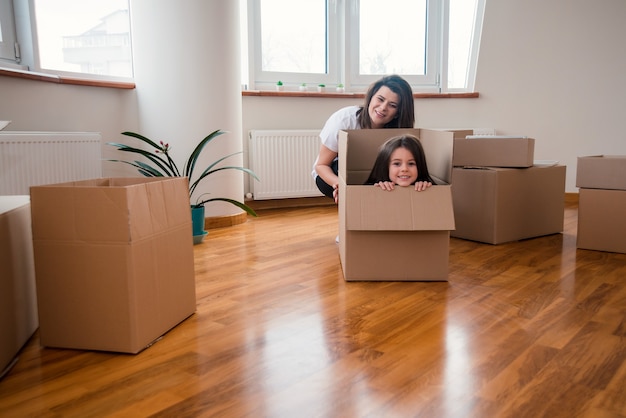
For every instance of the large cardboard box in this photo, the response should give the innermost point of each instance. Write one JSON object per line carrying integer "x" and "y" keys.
{"x": 18, "y": 298}
{"x": 497, "y": 205}
{"x": 113, "y": 260}
{"x": 402, "y": 235}
{"x": 494, "y": 152}
{"x": 602, "y": 203}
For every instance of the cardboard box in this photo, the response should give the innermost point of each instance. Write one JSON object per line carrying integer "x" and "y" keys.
{"x": 601, "y": 221}
{"x": 402, "y": 235}
{"x": 113, "y": 260}
{"x": 18, "y": 298}
{"x": 601, "y": 203}
{"x": 493, "y": 152}
{"x": 497, "y": 205}
{"x": 601, "y": 172}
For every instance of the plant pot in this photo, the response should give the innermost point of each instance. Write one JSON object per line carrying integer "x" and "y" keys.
{"x": 197, "y": 220}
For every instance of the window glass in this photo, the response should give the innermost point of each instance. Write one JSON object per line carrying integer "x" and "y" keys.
{"x": 462, "y": 20}
{"x": 391, "y": 41}
{"x": 84, "y": 36}
{"x": 7, "y": 31}
{"x": 294, "y": 36}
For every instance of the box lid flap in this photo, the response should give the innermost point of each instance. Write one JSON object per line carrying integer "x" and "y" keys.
{"x": 403, "y": 209}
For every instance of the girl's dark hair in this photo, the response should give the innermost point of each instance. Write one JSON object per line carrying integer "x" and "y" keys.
{"x": 380, "y": 171}
{"x": 405, "y": 118}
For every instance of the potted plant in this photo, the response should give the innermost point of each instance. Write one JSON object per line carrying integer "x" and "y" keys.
{"x": 162, "y": 165}
{"x": 321, "y": 88}
{"x": 303, "y": 87}
{"x": 279, "y": 86}
{"x": 340, "y": 88}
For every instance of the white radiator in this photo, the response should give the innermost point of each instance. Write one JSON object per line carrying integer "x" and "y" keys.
{"x": 283, "y": 161}
{"x": 36, "y": 158}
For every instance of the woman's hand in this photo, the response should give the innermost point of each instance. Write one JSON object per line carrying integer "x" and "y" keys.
{"x": 422, "y": 185}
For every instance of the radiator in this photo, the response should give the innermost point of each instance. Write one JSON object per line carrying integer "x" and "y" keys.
{"x": 283, "y": 161}
{"x": 36, "y": 158}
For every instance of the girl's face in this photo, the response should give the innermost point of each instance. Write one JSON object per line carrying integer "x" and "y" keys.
{"x": 383, "y": 107}
{"x": 402, "y": 167}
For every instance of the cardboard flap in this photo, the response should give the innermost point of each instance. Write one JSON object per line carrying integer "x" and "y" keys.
{"x": 109, "y": 210}
{"x": 403, "y": 209}
{"x": 438, "y": 148}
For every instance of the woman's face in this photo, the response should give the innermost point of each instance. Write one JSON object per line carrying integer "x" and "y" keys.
{"x": 402, "y": 167}
{"x": 383, "y": 107}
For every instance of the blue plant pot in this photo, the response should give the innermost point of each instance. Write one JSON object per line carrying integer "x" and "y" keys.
{"x": 197, "y": 220}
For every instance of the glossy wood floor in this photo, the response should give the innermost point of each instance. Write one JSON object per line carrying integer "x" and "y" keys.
{"x": 529, "y": 329}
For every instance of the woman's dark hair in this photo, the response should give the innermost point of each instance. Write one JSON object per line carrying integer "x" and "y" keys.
{"x": 380, "y": 171}
{"x": 405, "y": 118}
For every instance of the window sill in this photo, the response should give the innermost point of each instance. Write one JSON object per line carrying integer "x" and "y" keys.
{"x": 29, "y": 75}
{"x": 332, "y": 94}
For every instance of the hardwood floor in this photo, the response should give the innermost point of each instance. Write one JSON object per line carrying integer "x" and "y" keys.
{"x": 533, "y": 328}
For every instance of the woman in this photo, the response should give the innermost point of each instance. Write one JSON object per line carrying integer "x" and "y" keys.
{"x": 401, "y": 161}
{"x": 388, "y": 104}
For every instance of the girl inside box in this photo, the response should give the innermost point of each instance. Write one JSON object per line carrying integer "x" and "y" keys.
{"x": 401, "y": 161}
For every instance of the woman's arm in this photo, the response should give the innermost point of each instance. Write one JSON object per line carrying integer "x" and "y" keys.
{"x": 324, "y": 170}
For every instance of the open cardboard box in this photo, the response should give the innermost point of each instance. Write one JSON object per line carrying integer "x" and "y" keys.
{"x": 18, "y": 298}
{"x": 113, "y": 261}
{"x": 601, "y": 203}
{"x": 401, "y": 235}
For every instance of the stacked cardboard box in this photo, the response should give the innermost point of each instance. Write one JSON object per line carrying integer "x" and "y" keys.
{"x": 602, "y": 203}
{"x": 113, "y": 261}
{"x": 401, "y": 235}
{"x": 499, "y": 195}
{"x": 18, "y": 299}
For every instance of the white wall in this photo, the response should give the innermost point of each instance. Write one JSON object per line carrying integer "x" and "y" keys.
{"x": 182, "y": 102}
{"x": 551, "y": 70}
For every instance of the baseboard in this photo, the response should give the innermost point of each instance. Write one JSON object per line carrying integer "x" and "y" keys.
{"x": 571, "y": 198}
{"x": 213, "y": 222}
{"x": 300, "y": 202}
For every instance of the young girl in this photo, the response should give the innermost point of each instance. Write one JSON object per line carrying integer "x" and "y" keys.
{"x": 401, "y": 162}
{"x": 388, "y": 104}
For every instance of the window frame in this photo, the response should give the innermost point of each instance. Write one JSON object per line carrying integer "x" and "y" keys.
{"x": 268, "y": 79}
{"x": 427, "y": 83}
{"x": 8, "y": 36}
{"x": 342, "y": 36}
{"x": 24, "y": 18}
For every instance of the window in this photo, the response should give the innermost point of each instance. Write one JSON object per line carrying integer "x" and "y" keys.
{"x": 7, "y": 33}
{"x": 431, "y": 43}
{"x": 75, "y": 37}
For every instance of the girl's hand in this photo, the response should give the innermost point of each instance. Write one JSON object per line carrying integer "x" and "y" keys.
{"x": 336, "y": 192}
{"x": 422, "y": 185}
{"x": 385, "y": 185}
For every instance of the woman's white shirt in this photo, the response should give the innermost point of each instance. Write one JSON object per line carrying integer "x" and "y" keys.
{"x": 344, "y": 118}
